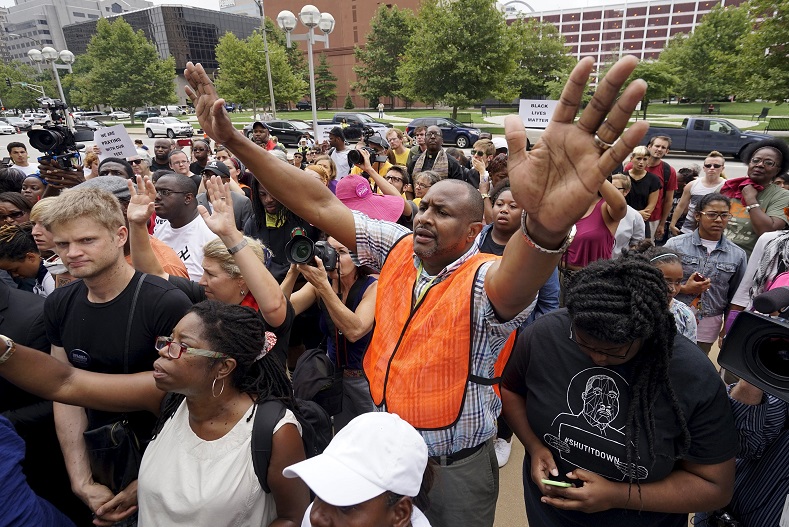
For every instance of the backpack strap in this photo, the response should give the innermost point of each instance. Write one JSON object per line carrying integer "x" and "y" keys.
{"x": 666, "y": 174}
{"x": 267, "y": 415}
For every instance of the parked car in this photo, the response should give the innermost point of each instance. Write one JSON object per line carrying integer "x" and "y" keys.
{"x": 118, "y": 115}
{"x": 147, "y": 113}
{"x": 37, "y": 118}
{"x": 288, "y": 132}
{"x": 170, "y": 111}
{"x": 356, "y": 122}
{"x": 6, "y": 128}
{"x": 17, "y": 122}
{"x": 169, "y": 126}
{"x": 88, "y": 124}
{"x": 86, "y": 115}
{"x": 701, "y": 135}
{"x": 304, "y": 105}
{"x": 452, "y": 131}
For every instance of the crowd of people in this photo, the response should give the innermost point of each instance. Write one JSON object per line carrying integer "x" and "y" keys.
{"x": 154, "y": 308}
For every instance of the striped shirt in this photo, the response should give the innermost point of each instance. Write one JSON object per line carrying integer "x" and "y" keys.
{"x": 481, "y": 407}
{"x": 761, "y": 483}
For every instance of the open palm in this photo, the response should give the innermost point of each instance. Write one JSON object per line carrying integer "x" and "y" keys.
{"x": 209, "y": 108}
{"x": 559, "y": 178}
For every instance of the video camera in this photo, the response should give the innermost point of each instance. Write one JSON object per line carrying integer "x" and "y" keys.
{"x": 301, "y": 250}
{"x": 57, "y": 140}
{"x": 756, "y": 347}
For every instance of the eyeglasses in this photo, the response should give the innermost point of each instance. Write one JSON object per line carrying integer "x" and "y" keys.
{"x": 166, "y": 192}
{"x": 422, "y": 185}
{"x": 602, "y": 351}
{"x": 712, "y": 215}
{"x": 433, "y": 134}
{"x": 712, "y": 165}
{"x": 135, "y": 161}
{"x": 480, "y": 153}
{"x": 176, "y": 349}
{"x": 393, "y": 178}
{"x": 12, "y": 215}
{"x": 768, "y": 163}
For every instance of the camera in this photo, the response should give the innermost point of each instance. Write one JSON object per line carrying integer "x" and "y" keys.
{"x": 355, "y": 156}
{"x": 301, "y": 250}
{"x": 57, "y": 141}
{"x": 369, "y": 136}
{"x": 756, "y": 347}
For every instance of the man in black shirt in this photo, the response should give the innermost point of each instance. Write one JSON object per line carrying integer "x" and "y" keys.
{"x": 93, "y": 321}
{"x": 436, "y": 159}
{"x": 161, "y": 154}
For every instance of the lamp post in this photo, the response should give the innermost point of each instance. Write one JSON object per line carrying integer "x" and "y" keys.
{"x": 311, "y": 17}
{"x": 268, "y": 63}
{"x": 50, "y": 55}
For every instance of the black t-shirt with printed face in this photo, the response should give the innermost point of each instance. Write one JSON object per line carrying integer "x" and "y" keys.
{"x": 579, "y": 411}
{"x": 94, "y": 335}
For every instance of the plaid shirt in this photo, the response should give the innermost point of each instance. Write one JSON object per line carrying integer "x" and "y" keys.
{"x": 477, "y": 423}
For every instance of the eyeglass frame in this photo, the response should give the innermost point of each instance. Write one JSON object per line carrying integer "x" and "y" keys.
{"x": 135, "y": 161}
{"x": 393, "y": 178}
{"x": 480, "y": 152}
{"x": 712, "y": 165}
{"x": 12, "y": 215}
{"x": 185, "y": 349}
{"x": 756, "y": 161}
{"x": 166, "y": 192}
{"x": 601, "y": 351}
{"x": 720, "y": 215}
{"x": 421, "y": 185}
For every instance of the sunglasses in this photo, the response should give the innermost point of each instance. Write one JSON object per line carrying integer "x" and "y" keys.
{"x": 176, "y": 349}
{"x": 13, "y": 215}
{"x": 712, "y": 165}
{"x": 135, "y": 161}
{"x": 479, "y": 153}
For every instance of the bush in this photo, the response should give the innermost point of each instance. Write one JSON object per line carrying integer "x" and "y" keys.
{"x": 348, "y": 103}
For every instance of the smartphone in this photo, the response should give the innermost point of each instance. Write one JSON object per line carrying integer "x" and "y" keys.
{"x": 553, "y": 483}
{"x": 698, "y": 277}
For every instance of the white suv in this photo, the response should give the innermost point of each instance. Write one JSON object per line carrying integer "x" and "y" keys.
{"x": 169, "y": 126}
{"x": 37, "y": 118}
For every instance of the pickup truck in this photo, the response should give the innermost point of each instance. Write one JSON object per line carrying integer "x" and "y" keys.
{"x": 702, "y": 135}
{"x": 356, "y": 122}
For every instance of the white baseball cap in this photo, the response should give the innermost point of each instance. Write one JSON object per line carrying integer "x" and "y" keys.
{"x": 376, "y": 452}
{"x": 500, "y": 142}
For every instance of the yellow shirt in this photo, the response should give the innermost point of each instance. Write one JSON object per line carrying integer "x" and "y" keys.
{"x": 382, "y": 169}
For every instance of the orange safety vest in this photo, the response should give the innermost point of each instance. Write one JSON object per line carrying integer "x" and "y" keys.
{"x": 420, "y": 358}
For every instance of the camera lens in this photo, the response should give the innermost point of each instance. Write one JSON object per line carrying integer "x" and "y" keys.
{"x": 45, "y": 140}
{"x": 355, "y": 157}
{"x": 773, "y": 354}
{"x": 299, "y": 250}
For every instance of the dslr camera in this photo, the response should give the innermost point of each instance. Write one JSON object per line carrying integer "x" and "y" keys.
{"x": 369, "y": 136}
{"x": 56, "y": 140}
{"x": 301, "y": 250}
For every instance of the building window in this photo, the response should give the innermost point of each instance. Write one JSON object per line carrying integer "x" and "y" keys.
{"x": 93, "y": 17}
{"x": 78, "y": 14}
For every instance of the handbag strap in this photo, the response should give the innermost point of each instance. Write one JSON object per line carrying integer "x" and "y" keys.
{"x": 129, "y": 324}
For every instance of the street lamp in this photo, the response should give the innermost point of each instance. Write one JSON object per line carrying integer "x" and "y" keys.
{"x": 311, "y": 17}
{"x": 268, "y": 62}
{"x": 50, "y": 55}
{"x": 35, "y": 42}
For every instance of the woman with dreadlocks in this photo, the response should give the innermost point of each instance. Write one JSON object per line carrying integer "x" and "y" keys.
{"x": 198, "y": 469}
{"x": 630, "y": 420}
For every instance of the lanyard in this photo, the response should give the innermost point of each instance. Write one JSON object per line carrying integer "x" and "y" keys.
{"x": 427, "y": 287}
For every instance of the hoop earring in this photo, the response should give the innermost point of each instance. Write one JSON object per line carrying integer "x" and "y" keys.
{"x": 213, "y": 386}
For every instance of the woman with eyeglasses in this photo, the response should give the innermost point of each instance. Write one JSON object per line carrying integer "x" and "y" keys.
{"x": 422, "y": 183}
{"x": 712, "y": 182}
{"x": 712, "y": 268}
{"x": 198, "y": 469}
{"x": 141, "y": 165}
{"x": 228, "y": 261}
{"x": 624, "y": 424}
{"x": 14, "y": 208}
{"x": 757, "y": 203}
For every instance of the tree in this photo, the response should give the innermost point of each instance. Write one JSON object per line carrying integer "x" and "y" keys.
{"x": 20, "y": 97}
{"x": 660, "y": 81}
{"x": 459, "y": 53}
{"x": 243, "y": 78}
{"x": 325, "y": 84}
{"x": 705, "y": 62}
{"x": 348, "y": 102}
{"x": 121, "y": 69}
{"x": 764, "y": 63}
{"x": 390, "y": 31}
{"x": 540, "y": 58}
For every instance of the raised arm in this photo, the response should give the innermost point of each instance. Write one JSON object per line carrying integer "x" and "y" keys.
{"x": 138, "y": 213}
{"x": 615, "y": 206}
{"x": 304, "y": 195}
{"x": 559, "y": 178}
{"x": 271, "y": 301}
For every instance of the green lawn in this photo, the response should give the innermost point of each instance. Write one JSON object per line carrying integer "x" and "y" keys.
{"x": 743, "y": 110}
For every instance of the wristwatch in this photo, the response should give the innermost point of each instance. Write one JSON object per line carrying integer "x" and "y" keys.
{"x": 753, "y": 206}
{"x": 485, "y": 196}
{"x": 9, "y": 350}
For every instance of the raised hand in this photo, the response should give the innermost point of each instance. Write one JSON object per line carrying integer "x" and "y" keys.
{"x": 222, "y": 222}
{"x": 209, "y": 108}
{"x": 559, "y": 178}
{"x": 141, "y": 204}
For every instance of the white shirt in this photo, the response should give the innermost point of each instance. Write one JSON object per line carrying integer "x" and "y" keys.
{"x": 185, "y": 480}
{"x": 629, "y": 232}
{"x": 743, "y": 295}
{"x": 418, "y": 519}
{"x": 187, "y": 242}
{"x": 341, "y": 160}
{"x": 28, "y": 170}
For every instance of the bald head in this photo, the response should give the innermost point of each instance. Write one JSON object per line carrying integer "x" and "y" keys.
{"x": 473, "y": 205}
